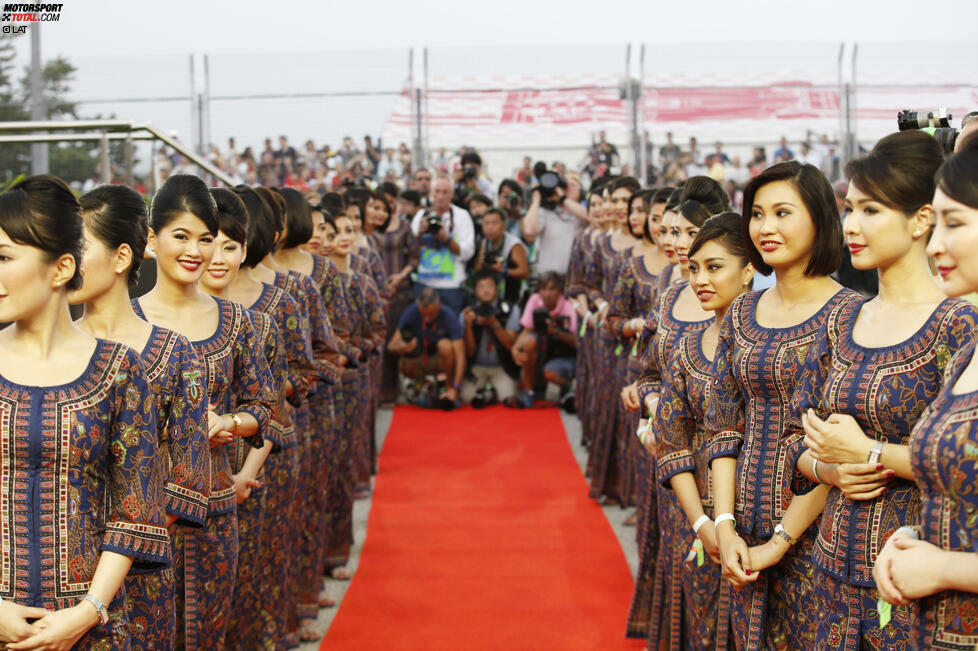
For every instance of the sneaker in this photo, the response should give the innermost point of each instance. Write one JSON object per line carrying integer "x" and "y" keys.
{"x": 522, "y": 400}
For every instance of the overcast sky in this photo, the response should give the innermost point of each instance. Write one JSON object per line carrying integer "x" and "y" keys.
{"x": 123, "y": 27}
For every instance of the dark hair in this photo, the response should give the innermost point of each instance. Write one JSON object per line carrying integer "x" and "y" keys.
{"x": 377, "y": 196}
{"x": 675, "y": 198}
{"x": 471, "y": 158}
{"x": 40, "y": 211}
{"x": 261, "y": 228}
{"x": 182, "y": 193}
{"x": 276, "y": 207}
{"x": 701, "y": 198}
{"x": 117, "y": 215}
{"x": 360, "y": 197}
{"x": 412, "y": 196}
{"x": 628, "y": 182}
{"x": 483, "y": 274}
{"x": 332, "y": 203}
{"x": 231, "y": 215}
{"x": 817, "y": 195}
{"x": 388, "y": 188}
{"x": 298, "y": 218}
{"x": 513, "y": 185}
{"x": 662, "y": 195}
{"x": 728, "y": 228}
{"x": 428, "y": 296}
{"x": 481, "y": 198}
{"x": 899, "y": 171}
{"x": 551, "y": 277}
{"x": 957, "y": 176}
{"x": 644, "y": 196}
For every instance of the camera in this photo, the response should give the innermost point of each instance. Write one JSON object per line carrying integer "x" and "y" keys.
{"x": 469, "y": 172}
{"x": 408, "y": 335}
{"x": 542, "y": 318}
{"x": 484, "y": 310}
{"x": 937, "y": 123}
{"x": 490, "y": 259}
{"x": 485, "y": 397}
{"x": 549, "y": 181}
{"x": 432, "y": 222}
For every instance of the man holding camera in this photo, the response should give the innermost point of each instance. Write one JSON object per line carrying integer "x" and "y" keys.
{"x": 502, "y": 255}
{"x": 549, "y": 324}
{"x": 447, "y": 239}
{"x": 491, "y": 328}
{"x": 429, "y": 340}
{"x": 553, "y": 219}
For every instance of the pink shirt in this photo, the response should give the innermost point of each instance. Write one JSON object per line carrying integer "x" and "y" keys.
{"x": 564, "y": 308}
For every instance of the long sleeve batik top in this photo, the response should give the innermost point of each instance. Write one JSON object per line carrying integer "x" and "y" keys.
{"x": 944, "y": 458}
{"x": 238, "y": 379}
{"x": 635, "y": 292}
{"x": 755, "y": 374}
{"x": 176, "y": 377}
{"x": 81, "y": 474}
{"x": 885, "y": 389}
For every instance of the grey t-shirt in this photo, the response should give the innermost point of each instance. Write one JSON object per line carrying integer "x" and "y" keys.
{"x": 484, "y": 355}
{"x": 557, "y": 229}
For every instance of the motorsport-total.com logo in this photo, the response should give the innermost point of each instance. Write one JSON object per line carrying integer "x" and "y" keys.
{"x": 22, "y": 14}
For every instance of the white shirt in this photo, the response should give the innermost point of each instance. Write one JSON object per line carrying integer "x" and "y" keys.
{"x": 442, "y": 269}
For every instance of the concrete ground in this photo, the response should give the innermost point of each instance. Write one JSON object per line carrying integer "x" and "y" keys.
{"x": 361, "y": 510}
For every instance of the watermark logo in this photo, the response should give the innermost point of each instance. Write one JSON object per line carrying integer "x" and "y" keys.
{"x": 22, "y": 14}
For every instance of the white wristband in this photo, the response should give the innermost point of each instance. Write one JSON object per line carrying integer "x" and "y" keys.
{"x": 700, "y": 521}
{"x": 724, "y": 516}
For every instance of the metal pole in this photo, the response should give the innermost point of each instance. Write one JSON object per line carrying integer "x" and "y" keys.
{"x": 642, "y": 175}
{"x": 843, "y": 134}
{"x": 424, "y": 119}
{"x": 128, "y": 151}
{"x": 106, "y": 176}
{"x": 193, "y": 100}
{"x": 206, "y": 110}
{"x": 39, "y": 151}
{"x": 853, "y": 105}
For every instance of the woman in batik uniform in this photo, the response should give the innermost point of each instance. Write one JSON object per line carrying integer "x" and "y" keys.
{"x": 611, "y": 250}
{"x": 719, "y": 272}
{"x": 240, "y": 387}
{"x": 794, "y": 229}
{"x": 400, "y": 252}
{"x": 934, "y": 565}
{"x": 868, "y": 380}
{"x": 116, "y": 226}
{"x": 83, "y": 479}
{"x": 635, "y": 292}
{"x": 678, "y": 313}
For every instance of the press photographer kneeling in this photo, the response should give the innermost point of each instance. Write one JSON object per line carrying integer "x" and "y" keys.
{"x": 491, "y": 327}
{"x": 547, "y": 347}
{"x": 502, "y": 254}
{"x": 429, "y": 340}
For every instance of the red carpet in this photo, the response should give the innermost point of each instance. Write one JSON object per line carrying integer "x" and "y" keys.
{"x": 481, "y": 536}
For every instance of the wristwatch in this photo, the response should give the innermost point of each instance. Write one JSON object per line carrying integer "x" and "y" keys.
{"x": 237, "y": 422}
{"x": 103, "y": 612}
{"x": 780, "y": 531}
{"x": 875, "y": 452}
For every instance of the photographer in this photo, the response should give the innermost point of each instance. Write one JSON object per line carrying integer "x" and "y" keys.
{"x": 549, "y": 326}
{"x": 469, "y": 180}
{"x": 503, "y": 255}
{"x": 429, "y": 340}
{"x": 553, "y": 217}
{"x": 447, "y": 239}
{"x": 491, "y": 328}
{"x": 510, "y": 201}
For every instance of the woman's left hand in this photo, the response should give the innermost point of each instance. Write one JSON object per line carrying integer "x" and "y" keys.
{"x": 837, "y": 439}
{"x": 60, "y": 630}
{"x": 916, "y": 568}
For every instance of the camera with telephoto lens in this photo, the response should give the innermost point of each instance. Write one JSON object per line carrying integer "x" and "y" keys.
{"x": 490, "y": 259}
{"x": 484, "y": 310}
{"x": 432, "y": 222}
{"x": 408, "y": 335}
{"x": 549, "y": 182}
{"x": 542, "y": 318}
{"x": 484, "y": 397}
{"x": 937, "y": 123}
{"x": 469, "y": 172}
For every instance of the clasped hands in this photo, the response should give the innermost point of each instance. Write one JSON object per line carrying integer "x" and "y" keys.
{"x": 841, "y": 447}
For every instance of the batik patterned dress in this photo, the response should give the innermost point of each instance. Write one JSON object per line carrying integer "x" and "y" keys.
{"x": 81, "y": 475}
{"x": 885, "y": 389}
{"x": 944, "y": 458}
{"x": 755, "y": 373}
{"x": 655, "y": 613}
{"x": 609, "y": 358}
{"x": 397, "y": 248}
{"x": 238, "y": 380}
{"x": 176, "y": 378}
{"x": 282, "y": 469}
{"x": 580, "y": 251}
{"x": 635, "y": 291}
{"x": 368, "y": 262}
{"x": 681, "y": 437}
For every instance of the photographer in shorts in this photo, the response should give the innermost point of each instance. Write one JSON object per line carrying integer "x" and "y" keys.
{"x": 502, "y": 254}
{"x": 548, "y": 341}
{"x": 447, "y": 239}
{"x": 491, "y": 327}
{"x": 429, "y": 340}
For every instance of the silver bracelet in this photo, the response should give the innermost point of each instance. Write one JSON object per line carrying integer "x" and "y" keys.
{"x": 815, "y": 470}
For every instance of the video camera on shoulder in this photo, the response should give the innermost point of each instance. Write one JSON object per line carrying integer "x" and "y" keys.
{"x": 936, "y": 123}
